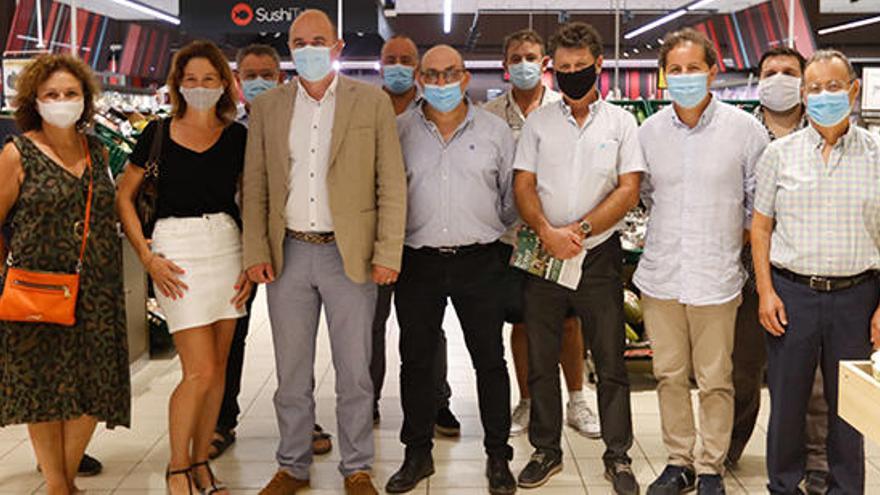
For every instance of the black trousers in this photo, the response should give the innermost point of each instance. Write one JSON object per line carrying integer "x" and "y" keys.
{"x": 229, "y": 408}
{"x": 826, "y": 327}
{"x": 598, "y": 301}
{"x": 377, "y": 361}
{"x": 471, "y": 279}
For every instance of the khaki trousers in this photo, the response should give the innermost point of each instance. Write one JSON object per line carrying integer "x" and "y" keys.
{"x": 693, "y": 341}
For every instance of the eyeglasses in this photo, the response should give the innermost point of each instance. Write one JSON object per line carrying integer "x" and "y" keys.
{"x": 432, "y": 76}
{"x": 830, "y": 86}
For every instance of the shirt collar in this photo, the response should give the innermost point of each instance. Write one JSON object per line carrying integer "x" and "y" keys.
{"x": 511, "y": 102}
{"x": 705, "y": 118}
{"x": 469, "y": 118}
{"x": 816, "y": 139}
{"x": 595, "y": 108}
{"x": 330, "y": 93}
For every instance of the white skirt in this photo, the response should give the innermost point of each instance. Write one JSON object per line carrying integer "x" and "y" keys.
{"x": 208, "y": 249}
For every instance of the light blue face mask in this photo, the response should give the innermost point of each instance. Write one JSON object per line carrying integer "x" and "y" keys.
{"x": 525, "y": 75}
{"x": 688, "y": 90}
{"x": 444, "y": 98}
{"x": 828, "y": 109}
{"x": 251, "y": 88}
{"x": 398, "y": 78}
{"x": 312, "y": 62}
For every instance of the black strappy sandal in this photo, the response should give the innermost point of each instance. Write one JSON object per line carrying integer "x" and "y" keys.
{"x": 219, "y": 445}
{"x": 186, "y": 472}
{"x": 214, "y": 488}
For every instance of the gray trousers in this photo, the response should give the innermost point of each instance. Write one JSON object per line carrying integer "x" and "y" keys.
{"x": 313, "y": 276}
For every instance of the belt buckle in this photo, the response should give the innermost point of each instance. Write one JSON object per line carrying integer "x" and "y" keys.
{"x": 447, "y": 251}
{"x": 820, "y": 284}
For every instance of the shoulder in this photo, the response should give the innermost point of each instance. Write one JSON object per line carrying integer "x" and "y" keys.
{"x": 237, "y": 130}
{"x": 496, "y": 105}
{"x": 407, "y": 118}
{"x": 488, "y": 121}
{"x": 656, "y": 121}
{"x": 740, "y": 117}
{"x": 10, "y": 159}
{"x": 363, "y": 90}
{"x": 270, "y": 97}
{"x": 617, "y": 114}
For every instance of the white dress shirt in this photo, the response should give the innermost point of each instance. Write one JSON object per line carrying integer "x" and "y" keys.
{"x": 700, "y": 186}
{"x": 308, "y": 204}
{"x": 578, "y": 167}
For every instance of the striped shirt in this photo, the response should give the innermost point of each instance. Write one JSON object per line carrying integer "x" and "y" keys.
{"x": 827, "y": 215}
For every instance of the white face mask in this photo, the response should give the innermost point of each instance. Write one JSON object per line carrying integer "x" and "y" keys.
{"x": 202, "y": 98}
{"x": 780, "y": 92}
{"x": 61, "y": 114}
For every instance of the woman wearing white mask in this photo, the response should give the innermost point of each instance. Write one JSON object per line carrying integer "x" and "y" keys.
{"x": 60, "y": 380}
{"x": 194, "y": 258}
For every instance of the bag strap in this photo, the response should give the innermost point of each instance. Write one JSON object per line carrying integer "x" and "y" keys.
{"x": 156, "y": 146}
{"x": 88, "y": 216}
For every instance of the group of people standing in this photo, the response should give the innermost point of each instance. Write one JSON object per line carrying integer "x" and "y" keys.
{"x": 339, "y": 195}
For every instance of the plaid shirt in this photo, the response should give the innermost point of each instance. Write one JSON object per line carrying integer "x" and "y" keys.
{"x": 827, "y": 215}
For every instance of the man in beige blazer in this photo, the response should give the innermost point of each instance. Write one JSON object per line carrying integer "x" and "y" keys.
{"x": 324, "y": 210}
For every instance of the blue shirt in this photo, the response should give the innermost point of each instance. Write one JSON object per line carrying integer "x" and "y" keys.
{"x": 459, "y": 192}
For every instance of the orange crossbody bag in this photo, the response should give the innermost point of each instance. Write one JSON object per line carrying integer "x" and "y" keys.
{"x": 46, "y": 297}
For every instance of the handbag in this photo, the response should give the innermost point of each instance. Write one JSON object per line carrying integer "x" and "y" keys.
{"x": 46, "y": 297}
{"x": 147, "y": 199}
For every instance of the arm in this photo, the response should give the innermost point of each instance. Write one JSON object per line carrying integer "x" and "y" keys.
{"x": 758, "y": 141}
{"x": 391, "y": 191}
{"x": 11, "y": 178}
{"x": 505, "y": 179}
{"x": 771, "y": 311}
{"x": 562, "y": 243}
{"x": 614, "y": 207}
{"x": 255, "y": 202}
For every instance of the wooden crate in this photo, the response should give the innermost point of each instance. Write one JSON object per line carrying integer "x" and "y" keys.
{"x": 859, "y": 398}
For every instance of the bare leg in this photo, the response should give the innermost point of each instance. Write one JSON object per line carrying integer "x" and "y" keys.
{"x": 47, "y": 440}
{"x": 197, "y": 350}
{"x": 223, "y": 332}
{"x": 519, "y": 347}
{"x": 572, "y": 356}
{"x": 77, "y": 434}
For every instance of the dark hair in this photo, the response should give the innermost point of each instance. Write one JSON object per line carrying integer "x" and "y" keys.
{"x": 685, "y": 35}
{"x": 832, "y": 54}
{"x": 36, "y": 73}
{"x": 576, "y": 35}
{"x": 259, "y": 50}
{"x": 523, "y": 36}
{"x": 783, "y": 51}
{"x": 202, "y": 49}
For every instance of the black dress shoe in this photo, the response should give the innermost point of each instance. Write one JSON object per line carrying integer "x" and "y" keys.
{"x": 710, "y": 484}
{"x": 447, "y": 424}
{"x": 816, "y": 482}
{"x": 673, "y": 481}
{"x": 88, "y": 466}
{"x": 540, "y": 468}
{"x": 501, "y": 480}
{"x": 413, "y": 470}
{"x": 622, "y": 479}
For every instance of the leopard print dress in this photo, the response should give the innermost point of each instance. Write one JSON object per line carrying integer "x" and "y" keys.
{"x": 50, "y": 372}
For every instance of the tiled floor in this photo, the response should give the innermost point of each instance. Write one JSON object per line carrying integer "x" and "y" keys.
{"x": 135, "y": 459}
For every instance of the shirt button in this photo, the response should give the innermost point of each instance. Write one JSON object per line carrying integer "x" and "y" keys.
{"x": 312, "y": 175}
{"x": 312, "y": 200}
{"x": 313, "y": 224}
{"x": 313, "y": 151}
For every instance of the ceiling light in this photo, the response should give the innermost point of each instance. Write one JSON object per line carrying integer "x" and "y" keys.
{"x": 144, "y": 9}
{"x": 660, "y": 41}
{"x": 850, "y": 25}
{"x": 636, "y": 51}
{"x": 447, "y": 16}
{"x": 656, "y": 23}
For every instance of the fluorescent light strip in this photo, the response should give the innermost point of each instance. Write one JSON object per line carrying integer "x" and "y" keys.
{"x": 447, "y": 16}
{"x": 653, "y": 24}
{"x": 849, "y": 25}
{"x": 144, "y": 9}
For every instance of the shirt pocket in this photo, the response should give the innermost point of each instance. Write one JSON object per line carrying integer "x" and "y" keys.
{"x": 604, "y": 158}
{"x": 798, "y": 179}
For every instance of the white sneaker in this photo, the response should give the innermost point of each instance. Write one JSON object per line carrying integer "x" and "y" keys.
{"x": 519, "y": 420}
{"x": 580, "y": 417}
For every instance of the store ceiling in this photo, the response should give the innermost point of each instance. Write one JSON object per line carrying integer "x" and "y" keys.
{"x": 114, "y": 10}
{"x": 471, "y": 6}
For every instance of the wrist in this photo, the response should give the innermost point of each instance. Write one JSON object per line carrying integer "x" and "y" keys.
{"x": 147, "y": 258}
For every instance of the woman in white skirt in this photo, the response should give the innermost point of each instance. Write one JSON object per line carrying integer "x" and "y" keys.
{"x": 194, "y": 258}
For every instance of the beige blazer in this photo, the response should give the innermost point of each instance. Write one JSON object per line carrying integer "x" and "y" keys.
{"x": 366, "y": 180}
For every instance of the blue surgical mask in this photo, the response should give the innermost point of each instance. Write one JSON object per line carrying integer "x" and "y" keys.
{"x": 525, "y": 75}
{"x": 253, "y": 87}
{"x": 312, "y": 62}
{"x": 444, "y": 98}
{"x": 688, "y": 90}
{"x": 398, "y": 78}
{"x": 828, "y": 109}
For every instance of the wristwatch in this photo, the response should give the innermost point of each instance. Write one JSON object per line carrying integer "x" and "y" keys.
{"x": 586, "y": 228}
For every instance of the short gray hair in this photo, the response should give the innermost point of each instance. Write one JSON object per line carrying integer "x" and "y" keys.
{"x": 828, "y": 54}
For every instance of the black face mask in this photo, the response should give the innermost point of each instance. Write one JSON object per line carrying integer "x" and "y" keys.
{"x": 576, "y": 85}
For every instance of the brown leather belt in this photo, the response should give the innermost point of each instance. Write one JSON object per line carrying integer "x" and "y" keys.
{"x": 312, "y": 237}
{"x": 826, "y": 284}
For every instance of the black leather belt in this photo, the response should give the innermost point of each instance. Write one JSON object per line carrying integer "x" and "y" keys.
{"x": 312, "y": 237}
{"x": 826, "y": 284}
{"x": 447, "y": 251}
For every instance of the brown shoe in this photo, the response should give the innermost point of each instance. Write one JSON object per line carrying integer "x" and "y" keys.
{"x": 283, "y": 483}
{"x": 360, "y": 483}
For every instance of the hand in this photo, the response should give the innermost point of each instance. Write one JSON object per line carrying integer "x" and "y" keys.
{"x": 771, "y": 313}
{"x": 165, "y": 276}
{"x": 243, "y": 288}
{"x": 261, "y": 273}
{"x": 562, "y": 243}
{"x": 875, "y": 329}
{"x": 384, "y": 276}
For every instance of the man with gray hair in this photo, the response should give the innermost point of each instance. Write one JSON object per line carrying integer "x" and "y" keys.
{"x": 814, "y": 242}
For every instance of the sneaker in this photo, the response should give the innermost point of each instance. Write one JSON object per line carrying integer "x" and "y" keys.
{"x": 539, "y": 470}
{"x": 622, "y": 479}
{"x": 816, "y": 482}
{"x": 519, "y": 420}
{"x": 580, "y": 417}
{"x": 500, "y": 478}
{"x": 447, "y": 424}
{"x": 673, "y": 481}
{"x": 710, "y": 484}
